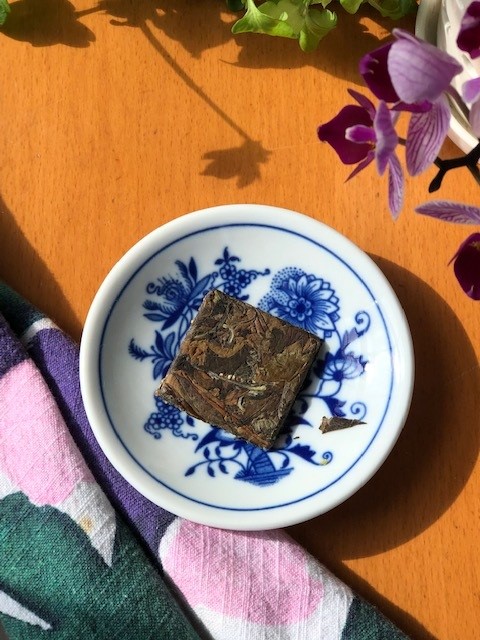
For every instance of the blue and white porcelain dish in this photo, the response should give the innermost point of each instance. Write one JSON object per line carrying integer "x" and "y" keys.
{"x": 296, "y": 268}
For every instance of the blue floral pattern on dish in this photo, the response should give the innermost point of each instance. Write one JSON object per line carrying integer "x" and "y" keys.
{"x": 224, "y": 453}
{"x": 303, "y": 299}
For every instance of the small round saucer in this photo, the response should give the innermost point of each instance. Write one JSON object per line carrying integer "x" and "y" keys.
{"x": 292, "y": 266}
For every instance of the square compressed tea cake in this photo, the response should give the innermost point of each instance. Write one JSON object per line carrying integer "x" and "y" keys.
{"x": 239, "y": 368}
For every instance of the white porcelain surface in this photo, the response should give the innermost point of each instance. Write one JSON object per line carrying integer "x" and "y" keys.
{"x": 289, "y": 264}
{"x": 438, "y": 22}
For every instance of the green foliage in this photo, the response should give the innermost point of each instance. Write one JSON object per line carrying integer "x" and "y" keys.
{"x": 299, "y": 20}
{"x": 293, "y": 18}
{"x": 394, "y": 9}
{"x": 289, "y": 19}
{"x": 351, "y": 6}
{"x": 4, "y": 10}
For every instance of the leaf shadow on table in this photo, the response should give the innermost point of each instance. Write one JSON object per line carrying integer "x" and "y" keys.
{"x": 199, "y": 26}
{"x": 45, "y": 23}
{"x": 242, "y": 162}
{"x": 207, "y": 24}
{"x": 51, "y": 22}
{"x": 17, "y": 258}
{"x": 433, "y": 457}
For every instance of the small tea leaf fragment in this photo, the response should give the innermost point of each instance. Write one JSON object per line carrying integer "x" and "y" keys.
{"x": 336, "y": 423}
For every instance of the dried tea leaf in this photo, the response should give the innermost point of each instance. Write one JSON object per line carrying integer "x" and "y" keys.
{"x": 239, "y": 368}
{"x": 335, "y": 423}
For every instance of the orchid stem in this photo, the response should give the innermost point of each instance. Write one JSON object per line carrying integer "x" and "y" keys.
{"x": 470, "y": 160}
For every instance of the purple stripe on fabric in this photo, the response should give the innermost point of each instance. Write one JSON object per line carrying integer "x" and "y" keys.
{"x": 11, "y": 349}
{"x": 57, "y": 357}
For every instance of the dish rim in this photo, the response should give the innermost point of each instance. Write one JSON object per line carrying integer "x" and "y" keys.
{"x": 117, "y": 280}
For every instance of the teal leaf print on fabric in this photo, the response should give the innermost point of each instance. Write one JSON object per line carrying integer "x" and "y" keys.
{"x": 49, "y": 566}
{"x": 14, "y": 609}
{"x": 364, "y": 622}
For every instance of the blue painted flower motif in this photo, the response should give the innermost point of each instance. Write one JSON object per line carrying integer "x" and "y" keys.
{"x": 167, "y": 417}
{"x": 343, "y": 366}
{"x": 161, "y": 353}
{"x": 303, "y": 300}
{"x": 224, "y": 453}
{"x": 299, "y": 298}
{"x": 235, "y": 280}
{"x": 177, "y": 297}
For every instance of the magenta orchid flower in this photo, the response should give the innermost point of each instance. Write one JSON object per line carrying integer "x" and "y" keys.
{"x": 466, "y": 266}
{"x": 374, "y": 69}
{"x": 361, "y": 134}
{"x": 466, "y": 262}
{"x": 468, "y": 38}
{"x": 414, "y": 76}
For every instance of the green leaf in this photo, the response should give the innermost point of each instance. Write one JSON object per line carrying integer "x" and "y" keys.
{"x": 351, "y": 6}
{"x": 289, "y": 19}
{"x": 394, "y": 9}
{"x": 4, "y": 11}
{"x": 317, "y": 25}
{"x": 256, "y": 21}
{"x": 291, "y": 12}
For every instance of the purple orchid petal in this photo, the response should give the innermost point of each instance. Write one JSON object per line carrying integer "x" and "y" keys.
{"x": 449, "y": 211}
{"x": 468, "y": 38}
{"x": 395, "y": 186}
{"x": 363, "y": 164}
{"x": 471, "y": 90}
{"x": 373, "y": 67}
{"x": 418, "y": 107}
{"x": 418, "y": 70}
{"x": 387, "y": 138}
{"x": 425, "y": 136}
{"x": 333, "y": 132}
{"x": 466, "y": 265}
{"x": 361, "y": 134}
{"x": 364, "y": 102}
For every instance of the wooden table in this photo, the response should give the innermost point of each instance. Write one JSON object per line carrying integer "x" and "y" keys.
{"x": 119, "y": 117}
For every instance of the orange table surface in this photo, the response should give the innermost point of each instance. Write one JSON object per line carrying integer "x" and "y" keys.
{"x": 120, "y": 116}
